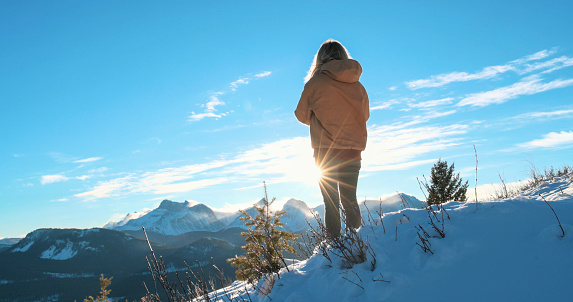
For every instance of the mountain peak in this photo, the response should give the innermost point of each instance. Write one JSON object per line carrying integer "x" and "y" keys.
{"x": 260, "y": 203}
{"x": 200, "y": 208}
{"x": 190, "y": 203}
{"x": 177, "y": 206}
{"x": 173, "y": 205}
{"x": 297, "y": 204}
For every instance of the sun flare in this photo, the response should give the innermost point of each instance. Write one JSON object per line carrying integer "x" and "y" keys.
{"x": 305, "y": 171}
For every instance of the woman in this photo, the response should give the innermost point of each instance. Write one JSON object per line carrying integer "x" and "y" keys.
{"x": 335, "y": 106}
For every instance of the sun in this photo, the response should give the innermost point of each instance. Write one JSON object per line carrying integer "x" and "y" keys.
{"x": 311, "y": 175}
{"x": 305, "y": 171}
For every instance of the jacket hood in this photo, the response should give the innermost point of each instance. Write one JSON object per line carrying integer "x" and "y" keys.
{"x": 347, "y": 71}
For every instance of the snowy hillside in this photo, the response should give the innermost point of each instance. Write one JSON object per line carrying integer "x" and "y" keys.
{"x": 505, "y": 250}
{"x": 58, "y": 244}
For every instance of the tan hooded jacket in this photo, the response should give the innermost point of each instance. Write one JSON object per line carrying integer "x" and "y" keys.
{"x": 335, "y": 106}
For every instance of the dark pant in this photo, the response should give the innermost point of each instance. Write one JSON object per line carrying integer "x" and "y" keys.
{"x": 339, "y": 176}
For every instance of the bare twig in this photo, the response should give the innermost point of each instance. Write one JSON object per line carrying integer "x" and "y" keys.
{"x": 476, "y": 178}
{"x": 420, "y": 184}
{"x": 554, "y": 214}
{"x": 372, "y": 254}
{"x": 350, "y": 247}
{"x": 381, "y": 214}
{"x": 357, "y": 276}
{"x": 381, "y": 279}
{"x": 504, "y": 187}
{"x": 371, "y": 219}
{"x": 404, "y": 201}
{"x": 424, "y": 236}
{"x": 345, "y": 272}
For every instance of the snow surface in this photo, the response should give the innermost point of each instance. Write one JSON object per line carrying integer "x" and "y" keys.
{"x": 59, "y": 251}
{"x": 124, "y": 220}
{"x": 67, "y": 275}
{"x": 505, "y": 250}
{"x": 23, "y": 248}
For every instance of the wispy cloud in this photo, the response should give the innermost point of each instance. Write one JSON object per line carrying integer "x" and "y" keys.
{"x": 61, "y": 177}
{"x": 563, "y": 139}
{"x": 524, "y": 119}
{"x": 242, "y": 81}
{"x": 187, "y": 186}
{"x": 286, "y": 160}
{"x": 108, "y": 188}
{"x": 536, "y": 56}
{"x": 48, "y": 179}
{"x": 546, "y": 114}
{"x": 527, "y": 86}
{"x": 432, "y": 103}
{"x": 520, "y": 66}
{"x": 399, "y": 146}
{"x": 390, "y": 147}
{"x": 385, "y": 105}
{"x": 157, "y": 181}
{"x": 59, "y": 200}
{"x": 263, "y": 74}
{"x": 162, "y": 181}
{"x": 549, "y": 66}
{"x": 87, "y": 160}
{"x": 210, "y": 108}
{"x": 446, "y": 78}
{"x": 214, "y": 100}
{"x": 199, "y": 116}
{"x": 97, "y": 170}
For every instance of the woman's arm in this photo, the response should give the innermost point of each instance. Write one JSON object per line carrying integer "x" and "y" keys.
{"x": 366, "y": 105}
{"x": 303, "y": 110}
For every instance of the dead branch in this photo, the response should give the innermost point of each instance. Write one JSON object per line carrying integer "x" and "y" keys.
{"x": 553, "y": 214}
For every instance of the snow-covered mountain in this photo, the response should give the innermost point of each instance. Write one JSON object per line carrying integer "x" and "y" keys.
{"x": 500, "y": 250}
{"x": 126, "y": 219}
{"x": 297, "y": 214}
{"x": 175, "y": 218}
{"x": 237, "y": 222}
{"x": 390, "y": 203}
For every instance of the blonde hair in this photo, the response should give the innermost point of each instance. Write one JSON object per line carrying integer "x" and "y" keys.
{"x": 328, "y": 51}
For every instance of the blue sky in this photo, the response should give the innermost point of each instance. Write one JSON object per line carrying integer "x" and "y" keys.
{"x": 109, "y": 107}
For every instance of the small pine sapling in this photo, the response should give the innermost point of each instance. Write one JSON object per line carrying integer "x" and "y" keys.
{"x": 104, "y": 292}
{"x": 266, "y": 240}
{"x": 445, "y": 185}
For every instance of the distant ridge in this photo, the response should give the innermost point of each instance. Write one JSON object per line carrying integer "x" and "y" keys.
{"x": 175, "y": 218}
